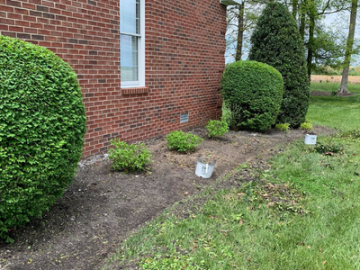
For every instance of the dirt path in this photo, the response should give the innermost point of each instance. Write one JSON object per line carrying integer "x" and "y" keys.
{"x": 102, "y": 207}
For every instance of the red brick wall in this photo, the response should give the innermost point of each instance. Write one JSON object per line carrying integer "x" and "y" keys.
{"x": 185, "y": 45}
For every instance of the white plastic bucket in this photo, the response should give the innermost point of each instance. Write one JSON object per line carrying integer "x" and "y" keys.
{"x": 310, "y": 139}
{"x": 204, "y": 170}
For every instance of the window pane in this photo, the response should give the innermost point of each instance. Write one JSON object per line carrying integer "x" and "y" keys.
{"x": 130, "y": 16}
{"x": 129, "y": 58}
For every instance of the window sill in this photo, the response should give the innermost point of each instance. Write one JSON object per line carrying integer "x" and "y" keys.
{"x": 135, "y": 91}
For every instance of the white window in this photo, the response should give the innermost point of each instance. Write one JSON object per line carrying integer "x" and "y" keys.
{"x": 132, "y": 43}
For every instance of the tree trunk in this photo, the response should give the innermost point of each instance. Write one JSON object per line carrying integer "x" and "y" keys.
{"x": 294, "y": 8}
{"x": 311, "y": 44}
{"x": 240, "y": 34}
{"x": 302, "y": 19}
{"x": 349, "y": 45}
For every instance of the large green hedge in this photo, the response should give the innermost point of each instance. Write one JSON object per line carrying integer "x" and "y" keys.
{"x": 42, "y": 127}
{"x": 253, "y": 91}
{"x": 276, "y": 41}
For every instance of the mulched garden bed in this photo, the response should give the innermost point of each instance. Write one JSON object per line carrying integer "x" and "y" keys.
{"x": 102, "y": 207}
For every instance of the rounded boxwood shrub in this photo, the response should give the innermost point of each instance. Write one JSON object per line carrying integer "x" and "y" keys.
{"x": 42, "y": 127}
{"x": 276, "y": 41}
{"x": 253, "y": 92}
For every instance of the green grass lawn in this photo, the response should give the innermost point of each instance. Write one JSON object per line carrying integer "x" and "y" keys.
{"x": 341, "y": 113}
{"x": 315, "y": 86}
{"x": 303, "y": 214}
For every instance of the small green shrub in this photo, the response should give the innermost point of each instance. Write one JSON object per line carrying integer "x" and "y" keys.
{"x": 283, "y": 127}
{"x": 331, "y": 147}
{"x": 129, "y": 157}
{"x": 253, "y": 91}
{"x": 306, "y": 126}
{"x": 183, "y": 142}
{"x": 217, "y": 128}
{"x": 42, "y": 128}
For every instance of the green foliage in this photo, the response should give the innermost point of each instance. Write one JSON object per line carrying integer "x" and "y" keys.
{"x": 276, "y": 41}
{"x": 283, "y": 127}
{"x": 253, "y": 92}
{"x": 351, "y": 134}
{"x": 306, "y": 126}
{"x": 42, "y": 127}
{"x": 129, "y": 157}
{"x": 328, "y": 147}
{"x": 217, "y": 128}
{"x": 183, "y": 142}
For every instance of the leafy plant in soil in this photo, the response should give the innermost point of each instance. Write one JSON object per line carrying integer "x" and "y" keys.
{"x": 306, "y": 126}
{"x": 129, "y": 157}
{"x": 283, "y": 127}
{"x": 217, "y": 128}
{"x": 183, "y": 142}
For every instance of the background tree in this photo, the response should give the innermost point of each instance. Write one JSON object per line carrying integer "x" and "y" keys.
{"x": 241, "y": 20}
{"x": 349, "y": 47}
{"x": 276, "y": 41}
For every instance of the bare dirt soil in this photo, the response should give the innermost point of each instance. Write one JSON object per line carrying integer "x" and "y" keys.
{"x": 102, "y": 207}
{"x": 334, "y": 78}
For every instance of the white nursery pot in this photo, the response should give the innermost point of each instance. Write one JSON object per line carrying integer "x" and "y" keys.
{"x": 310, "y": 139}
{"x": 204, "y": 170}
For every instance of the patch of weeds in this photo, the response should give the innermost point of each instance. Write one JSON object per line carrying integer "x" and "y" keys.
{"x": 329, "y": 148}
{"x": 283, "y": 127}
{"x": 129, "y": 157}
{"x": 183, "y": 142}
{"x": 352, "y": 134}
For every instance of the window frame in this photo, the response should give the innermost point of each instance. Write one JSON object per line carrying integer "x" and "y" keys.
{"x": 141, "y": 51}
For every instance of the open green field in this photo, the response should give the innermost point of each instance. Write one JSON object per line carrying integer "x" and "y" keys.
{"x": 302, "y": 214}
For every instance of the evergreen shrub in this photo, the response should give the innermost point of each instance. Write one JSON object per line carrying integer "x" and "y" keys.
{"x": 253, "y": 91}
{"x": 276, "y": 41}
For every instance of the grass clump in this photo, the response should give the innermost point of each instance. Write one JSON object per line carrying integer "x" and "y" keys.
{"x": 183, "y": 142}
{"x": 330, "y": 147}
{"x": 283, "y": 127}
{"x": 217, "y": 128}
{"x": 351, "y": 134}
{"x": 129, "y": 157}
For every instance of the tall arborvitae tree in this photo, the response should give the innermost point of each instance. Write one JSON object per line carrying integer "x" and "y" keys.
{"x": 276, "y": 41}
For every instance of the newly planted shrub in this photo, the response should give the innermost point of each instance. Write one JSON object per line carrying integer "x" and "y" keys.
{"x": 283, "y": 127}
{"x": 217, "y": 128}
{"x": 129, "y": 157}
{"x": 276, "y": 41}
{"x": 183, "y": 142}
{"x": 253, "y": 91}
{"x": 42, "y": 127}
{"x": 306, "y": 126}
